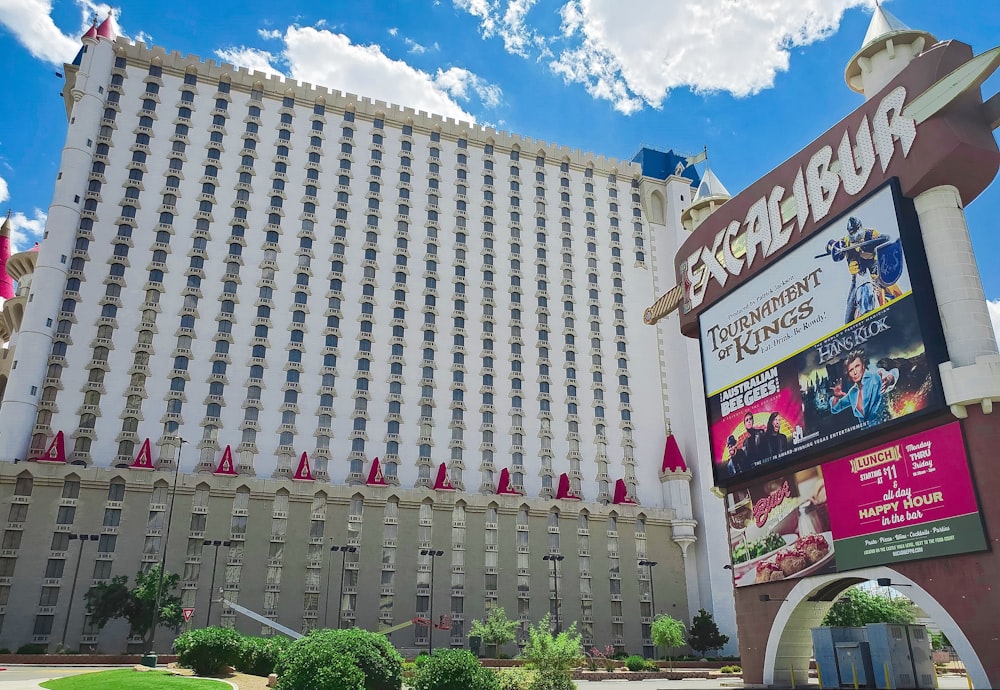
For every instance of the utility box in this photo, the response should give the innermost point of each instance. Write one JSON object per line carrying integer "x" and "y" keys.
{"x": 881, "y": 655}
{"x": 902, "y": 655}
{"x": 854, "y": 660}
{"x": 824, "y": 651}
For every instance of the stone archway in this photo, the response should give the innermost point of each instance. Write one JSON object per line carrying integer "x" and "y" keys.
{"x": 789, "y": 643}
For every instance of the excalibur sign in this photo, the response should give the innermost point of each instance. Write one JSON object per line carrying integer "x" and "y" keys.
{"x": 917, "y": 129}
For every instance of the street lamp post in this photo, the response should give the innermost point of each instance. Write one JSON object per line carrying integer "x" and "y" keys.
{"x": 151, "y": 655}
{"x": 76, "y": 572}
{"x": 433, "y": 553}
{"x": 343, "y": 568}
{"x": 555, "y": 558}
{"x": 652, "y": 593}
{"x": 215, "y": 564}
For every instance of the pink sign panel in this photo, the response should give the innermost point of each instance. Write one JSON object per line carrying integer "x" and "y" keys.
{"x": 918, "y": 479}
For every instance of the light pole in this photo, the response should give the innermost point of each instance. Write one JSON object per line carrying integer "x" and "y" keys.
{"x": 344, "y": 550}
{"x": 433, "y": 553}
{"x": 652, "y": 594}
{"x": 76, "y": 572}
{"x": 215, "y": 564}
{"x": 151, "y": 655}
{"x": 555, "y": 558}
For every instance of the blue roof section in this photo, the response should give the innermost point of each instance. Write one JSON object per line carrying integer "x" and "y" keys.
{"x": 663, "y": 164}
{"x": 78, "y": 58}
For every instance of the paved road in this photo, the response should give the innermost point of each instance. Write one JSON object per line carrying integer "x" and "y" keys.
{"x": 28, "y": 678}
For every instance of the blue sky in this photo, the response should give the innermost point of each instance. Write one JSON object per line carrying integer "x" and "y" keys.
{"x": 753, "y": 81}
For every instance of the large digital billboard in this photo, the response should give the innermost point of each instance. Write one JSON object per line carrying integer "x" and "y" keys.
{"x": 906, "y": 500}
{"x": 822, "y": 347}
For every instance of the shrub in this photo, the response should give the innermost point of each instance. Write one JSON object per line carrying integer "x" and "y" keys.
{"x": 552, "y": 680}
{"x": 553, "y": 656}
{"x": 454, "y": 669}
{"x": 635, "y": 663}
{"x": 259, "y": 655}
{"x": 651, "y": 665}
{"x": 515, "y": 678}
{"x": 4, "y": 650}
{"x": 32, "y": 648}
{"x": 208, "y": 651}
{"x": 314, "y": 662}
{"x": 731, "y": 669}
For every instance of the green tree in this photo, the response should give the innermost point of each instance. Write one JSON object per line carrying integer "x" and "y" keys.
{"x": 108, "y": 601}
{"x": 496, "y": 630}
{"x": 858, "y": 607}
{"x": 553, "y": 656}
{"x": 940, "y": 641}
{"x": 667, "y": 632}
{"x": 704, "y": 635}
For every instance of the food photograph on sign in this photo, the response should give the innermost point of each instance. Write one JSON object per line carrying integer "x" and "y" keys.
{"x": 906, "y": 500}
{"x": 818, "y": 348}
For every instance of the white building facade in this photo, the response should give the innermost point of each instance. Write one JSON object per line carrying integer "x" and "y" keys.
{"x": 351, "y": 324}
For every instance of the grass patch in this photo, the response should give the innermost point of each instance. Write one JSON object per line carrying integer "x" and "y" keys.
{"x": 128, "y": 679}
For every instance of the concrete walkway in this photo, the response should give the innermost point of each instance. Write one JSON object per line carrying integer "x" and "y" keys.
{"x": 21, "y": 677}
{"x": 29, "y": 678}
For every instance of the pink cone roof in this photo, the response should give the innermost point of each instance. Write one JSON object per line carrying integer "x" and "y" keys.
{"x": 6, "y": 282}
{"x": 107, "y": 28}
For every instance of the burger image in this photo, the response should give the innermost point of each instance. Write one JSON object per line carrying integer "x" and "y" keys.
{"x": 768, "y": 572}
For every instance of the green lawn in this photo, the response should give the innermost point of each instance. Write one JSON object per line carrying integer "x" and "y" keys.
{"x": 128, "y": 679}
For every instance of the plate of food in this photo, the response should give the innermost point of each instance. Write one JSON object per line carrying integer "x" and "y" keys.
{"x": 747, "y": 554}
{"x": 803, "y": 556}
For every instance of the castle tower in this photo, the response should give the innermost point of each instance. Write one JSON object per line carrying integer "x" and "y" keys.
{"x": 888, "y": 47}
{"x": 972, "y": 372}
{"x": 20, "y": 404}
{"x": 710, "y": 195}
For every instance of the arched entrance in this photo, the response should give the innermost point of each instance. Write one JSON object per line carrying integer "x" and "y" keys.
{"x": 789, "y": 644}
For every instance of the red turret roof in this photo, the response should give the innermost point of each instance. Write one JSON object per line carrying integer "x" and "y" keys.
{"x": 107, "y": 28}
{"x": 673, "y": 461}
{"x": 91, "y": 32}
{"x": 6, "y": 282}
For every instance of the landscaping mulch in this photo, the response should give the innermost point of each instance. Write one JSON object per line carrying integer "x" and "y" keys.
{"x": 243, "y": 680}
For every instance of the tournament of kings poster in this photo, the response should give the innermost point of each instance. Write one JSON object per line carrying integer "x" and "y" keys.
{"x": 818, "y": 348}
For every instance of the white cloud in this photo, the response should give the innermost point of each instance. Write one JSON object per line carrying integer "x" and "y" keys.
{"x": 30, "y": 21}
{"x": 507, "y": 20}
{"x": 458, "y": 82}
{"x": 269, "y": 33}
{"x": 330, "y": 59}
{"x": 633, "y": 52}
{"x": 418, "y": 48}
{"x": 26, "y": 231}
{"x": 393, "y": 31}
{"x": 994, "y": 307}
{"x": 252, "y": 58}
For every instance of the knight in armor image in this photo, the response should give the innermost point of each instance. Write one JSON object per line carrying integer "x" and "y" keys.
{"x": 875, "y": 263}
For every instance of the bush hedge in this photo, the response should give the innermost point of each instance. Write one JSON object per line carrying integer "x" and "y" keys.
{"x": 259, "y": 656}
{"x": 635, "y": 663}
{"x": 515, "y": 678}
{"x": 454, "y": 669}
{"x": 314, "y": 662}
{"x": 208, "y": 651}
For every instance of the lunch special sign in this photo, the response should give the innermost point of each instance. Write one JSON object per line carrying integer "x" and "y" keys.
{"x": 909, "y": 499}
{"x": 824, "y": 345}
{"x": 906, "y": 500}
